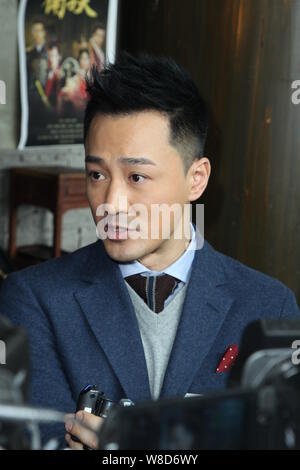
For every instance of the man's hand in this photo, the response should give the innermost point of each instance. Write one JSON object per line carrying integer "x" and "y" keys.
{"x": 86, "y": 436}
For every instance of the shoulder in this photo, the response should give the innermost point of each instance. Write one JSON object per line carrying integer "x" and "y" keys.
{"x": 250, "y": 286}
{"x": 238, "y": 271}
{"x": 57, "y": 272}
{"x": 30, "y": 51}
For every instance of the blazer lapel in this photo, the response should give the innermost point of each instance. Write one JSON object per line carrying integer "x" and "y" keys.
{"x": 206, "y": 305}
{"x": 107, "y": 306}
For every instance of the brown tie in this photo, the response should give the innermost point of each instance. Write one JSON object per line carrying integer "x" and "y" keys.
{"x": 154, "y": 290}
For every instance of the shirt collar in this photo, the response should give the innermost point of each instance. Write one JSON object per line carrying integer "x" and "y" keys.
{"x": 40, "y": 47}
{"x": 180, "y": 269}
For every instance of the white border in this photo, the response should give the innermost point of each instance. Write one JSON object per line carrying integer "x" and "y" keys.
{"x": 23, "y": 74}
{"x": 111, "y": 30}
{"x": 111, "y": 41}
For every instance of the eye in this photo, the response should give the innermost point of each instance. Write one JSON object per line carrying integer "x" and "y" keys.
{"x": 135, "y": 177}
{"x": 95, "y": 175}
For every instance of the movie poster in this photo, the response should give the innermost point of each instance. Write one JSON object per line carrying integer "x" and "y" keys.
{"x": 59, "y": 41}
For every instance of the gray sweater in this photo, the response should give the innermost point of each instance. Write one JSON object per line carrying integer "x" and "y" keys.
{"x": 158, "y": 331}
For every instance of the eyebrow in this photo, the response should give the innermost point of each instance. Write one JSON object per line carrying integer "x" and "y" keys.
{"x": 124, "y": 160}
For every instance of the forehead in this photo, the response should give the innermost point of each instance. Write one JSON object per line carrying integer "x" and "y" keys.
{"x": 38, "y": 26}
{"x": 136, "y": 131}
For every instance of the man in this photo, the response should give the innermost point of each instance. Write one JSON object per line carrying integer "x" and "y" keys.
{"x": 37, "y": 60}
{"x": 96, "y": 46}
{"x": 37, "y": 69}
{"x": 54, "y": 76}
{"x": 142, "y": 317}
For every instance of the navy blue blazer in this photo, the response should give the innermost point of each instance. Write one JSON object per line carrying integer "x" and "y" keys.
{"x": 83, "y": 329}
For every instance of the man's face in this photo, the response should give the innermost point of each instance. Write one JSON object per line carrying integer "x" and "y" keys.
{"x": 160, "y": 179}
{"x": 84, "y": 61}
{"x": 38, "y": 33}
{"x": 99, "y": 36}
{"x": 53, "y": 58}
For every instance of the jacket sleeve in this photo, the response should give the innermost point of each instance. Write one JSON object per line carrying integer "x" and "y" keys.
{"x": 48, "y": 383}
{"x": 290, "y": 307}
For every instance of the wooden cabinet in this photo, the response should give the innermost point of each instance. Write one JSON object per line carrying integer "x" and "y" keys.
{"x": 56, "y": 188}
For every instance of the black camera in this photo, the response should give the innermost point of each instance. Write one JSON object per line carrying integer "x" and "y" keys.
{"x": 95, "y": 402}
{"x": 14, "y": 382}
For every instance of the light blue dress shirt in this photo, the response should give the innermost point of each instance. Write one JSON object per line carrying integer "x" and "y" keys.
{"x": 181, "y": 268}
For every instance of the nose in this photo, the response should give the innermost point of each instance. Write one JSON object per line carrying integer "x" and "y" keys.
{"x": 116, "y": 199}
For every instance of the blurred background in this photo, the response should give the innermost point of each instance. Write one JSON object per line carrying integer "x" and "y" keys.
{"x": 244, "y": 56}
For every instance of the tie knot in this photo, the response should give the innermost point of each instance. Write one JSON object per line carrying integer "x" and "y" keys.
{"x": 154, "y": 290}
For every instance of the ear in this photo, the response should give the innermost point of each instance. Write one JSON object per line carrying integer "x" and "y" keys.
{"x": 198, "y": 176}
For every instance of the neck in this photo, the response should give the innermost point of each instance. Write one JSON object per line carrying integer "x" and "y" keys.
{"x": 167, "y": 253}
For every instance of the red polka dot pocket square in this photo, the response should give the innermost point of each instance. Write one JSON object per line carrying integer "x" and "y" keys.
{"x": 228, "y": 359}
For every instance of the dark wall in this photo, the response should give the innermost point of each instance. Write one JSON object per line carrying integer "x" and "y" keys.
{"x": 244, "y": 55}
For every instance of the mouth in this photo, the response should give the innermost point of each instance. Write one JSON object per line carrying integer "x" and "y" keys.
{"x": 116, "y": 232}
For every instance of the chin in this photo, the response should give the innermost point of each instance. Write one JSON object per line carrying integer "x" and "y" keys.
{"x": 126, "y": 251}
{"x": 120, "y": 251}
